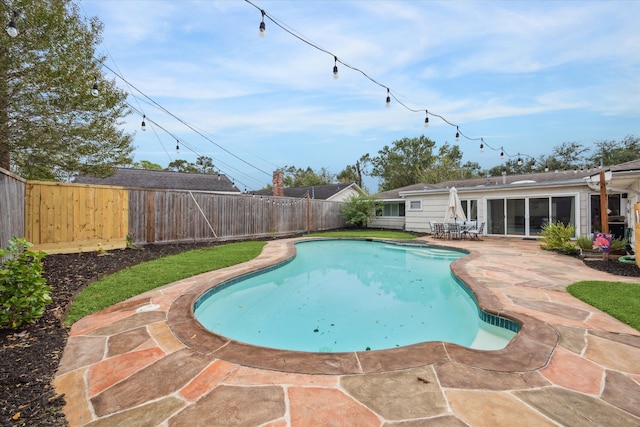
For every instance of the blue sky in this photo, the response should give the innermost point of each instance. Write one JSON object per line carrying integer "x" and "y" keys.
{"x": 526, "y": 76}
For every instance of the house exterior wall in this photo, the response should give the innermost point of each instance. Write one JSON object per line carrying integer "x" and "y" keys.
{"x": 434, "y": 204}
{"x": 433, "y": 208}
{"x": 388, "y": 222}
{"x": 343, "y": 195}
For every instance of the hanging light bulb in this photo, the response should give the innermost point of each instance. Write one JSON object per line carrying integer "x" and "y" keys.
{"x": 263, "y": 27}
{"x": 546, "y": 168}
{"x": 388, "y": 98}
{"x": 94, "y": 89}
{"x": 501, "y": 153}
{"x": 335, "y": 68}
{"x": 481, "y": 145}
{"x": 457, "y": 133}
{"x": 143, "y": 126}
{"x": 533, "y": 164}
{"x": 177, "y": 144}
{"x": 12, "y": 29}
{"x": 426, "y": 119}
{"x": 519, "y": 160}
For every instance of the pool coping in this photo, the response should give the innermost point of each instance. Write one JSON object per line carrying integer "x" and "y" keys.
{"x": 531, "y": 348}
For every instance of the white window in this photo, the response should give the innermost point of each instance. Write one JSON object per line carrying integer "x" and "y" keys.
{"x": 415, "y": 205}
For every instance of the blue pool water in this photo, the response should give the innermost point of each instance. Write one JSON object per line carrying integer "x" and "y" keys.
{"x": 351, "y": 295}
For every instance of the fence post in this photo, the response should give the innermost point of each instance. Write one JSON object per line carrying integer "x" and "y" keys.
{"x": 150, "y": 215}
{"x": 308, "y": 214}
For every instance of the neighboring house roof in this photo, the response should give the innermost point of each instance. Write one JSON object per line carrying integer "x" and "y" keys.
{"x": 528, "y": 179}
{"x": 319, "y": 192}
{"x": 168, "y": 180}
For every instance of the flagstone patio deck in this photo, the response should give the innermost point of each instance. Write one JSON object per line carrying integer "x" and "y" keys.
{"x": 146, "y": 362}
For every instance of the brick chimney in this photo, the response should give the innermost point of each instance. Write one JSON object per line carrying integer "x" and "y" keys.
{"x": 278, "y": 183}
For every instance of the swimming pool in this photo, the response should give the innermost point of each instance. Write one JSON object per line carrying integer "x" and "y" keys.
{"x": 352, "y": 295}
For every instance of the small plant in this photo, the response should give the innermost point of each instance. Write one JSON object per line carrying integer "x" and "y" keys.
{"x": 618, "y": 244}
{"x": 101, "y": 250}
{"x": 131, "y": 244}
{"x": 584, "y": 242}
{"x": 557, "y": 237}
{"x": 24, "y": 293}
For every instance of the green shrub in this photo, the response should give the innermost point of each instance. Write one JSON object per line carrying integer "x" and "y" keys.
{"x": 557, "y": 237}
{"x": 618, "y": 244}
{"x": 358, "y": 211}
{"x": 585, "y": 242}
{"x": 24, "y": 293}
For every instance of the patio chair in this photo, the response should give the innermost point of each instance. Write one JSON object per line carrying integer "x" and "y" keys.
{"x": 476, "y": 233}
{"x": 453, "y": 230}
{"x": 438, "y": 230}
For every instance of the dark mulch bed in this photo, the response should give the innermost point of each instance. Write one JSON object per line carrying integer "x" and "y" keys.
{"x": 29, "y": 357}
{"x": 614, "y": 267}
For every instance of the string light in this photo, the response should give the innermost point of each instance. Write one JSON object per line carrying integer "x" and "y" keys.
{"x": 390, "y": 94}
{"x": 263, "y": 27}
{"x": 12, "y": 29}
{"x": 94, "y": 89}
{"x": 519, "y": 161}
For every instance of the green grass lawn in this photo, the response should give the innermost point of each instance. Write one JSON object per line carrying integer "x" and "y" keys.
{"x": 140, "y": 278}
{"x": 618, "y": 299}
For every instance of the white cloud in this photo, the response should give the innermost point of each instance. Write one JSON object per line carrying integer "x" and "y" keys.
{"x": 478, "y": 64}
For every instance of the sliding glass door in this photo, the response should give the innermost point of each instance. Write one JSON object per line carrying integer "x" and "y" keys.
{"x": 527, "y": 216}
{"x": 516, "y": 217}
{"x": 538, "y": 214}
{"x": 495, "y": 216}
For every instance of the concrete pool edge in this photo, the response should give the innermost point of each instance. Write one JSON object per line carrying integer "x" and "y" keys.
{"x": 530, "y": 349}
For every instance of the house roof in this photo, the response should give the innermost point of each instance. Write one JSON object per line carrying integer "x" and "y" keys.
{"x": 319, "y": 192}
{"x": 528, "y": 179}
{"x": 168, "y": 180}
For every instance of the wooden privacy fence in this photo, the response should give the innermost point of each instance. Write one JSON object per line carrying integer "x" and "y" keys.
{"x": 67, "y": 218}
{"x": 12, "y": 190}
{"x": 177, "y": 216}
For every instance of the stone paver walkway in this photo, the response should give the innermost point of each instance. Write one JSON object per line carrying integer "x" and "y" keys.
{"x": 146, "y": 362}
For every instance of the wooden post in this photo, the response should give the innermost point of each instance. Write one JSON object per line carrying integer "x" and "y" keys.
{"x": 604, "y": 214}
{"x": 150, "y": 216}
{"x": 308, "y": 214}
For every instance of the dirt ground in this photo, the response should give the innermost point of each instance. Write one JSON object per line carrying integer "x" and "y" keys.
{"x": 29, "y": 356}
